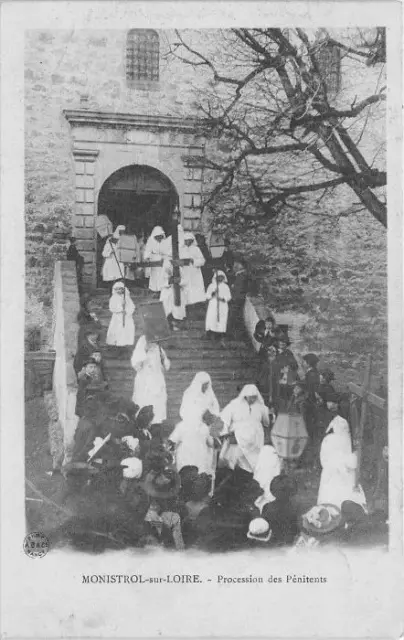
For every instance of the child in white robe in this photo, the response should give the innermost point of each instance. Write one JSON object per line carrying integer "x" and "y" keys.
{"x": 150, "y": 362}
{"x": 154, "y": 251}
{"x": 338, "y": 462}
{"x": 112, "y": 269}
{"x": 121, "y": 330}
{"x": 167, "y": 296}
{"x": 218, "y": 294}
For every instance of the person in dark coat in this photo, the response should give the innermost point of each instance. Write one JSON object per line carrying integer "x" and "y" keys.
{"x": 265, "y": 334}
{"x": 239, "y": 290}
{"x": 324, "y": 390}
{"x": 207, "y": 271}
{"x": 227, "y": 261}
{"x": 312, "y": 383}
{"x": 73, "y": 255}
{"x": 86, "y": 314}
{"x": 325, "y": 386}
{"x": 285, "y": 370}
{"x": 88, "y": 345}
{"x": 281, "y": 514}
{"x": 91, "y": 383}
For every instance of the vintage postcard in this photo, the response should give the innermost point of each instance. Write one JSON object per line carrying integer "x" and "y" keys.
{"x": 201, "y": 374}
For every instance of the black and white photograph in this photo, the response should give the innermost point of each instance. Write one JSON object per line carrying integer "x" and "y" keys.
{"x": 206, "y": 314}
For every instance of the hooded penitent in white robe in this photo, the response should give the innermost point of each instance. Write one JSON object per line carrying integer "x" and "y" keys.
{"x": 167, "y": 293}
{"x": 154, "y": 251}
{"x": 337, "y": 482}
{"x": 112, "y": 269}
{"x": 246, "y": 422}
{"x": 267, "y": 468}
{"x": 193, "y": 279}
{"x": 194, "y": 445}
{"x": 218, "y": 306}
{"x": 150, "y": 361}
{"x": 121, "y": 332}
{"x": 195, "y": 401}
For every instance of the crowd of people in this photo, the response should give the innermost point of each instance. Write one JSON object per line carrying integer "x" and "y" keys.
{"x": 215, "y": 481}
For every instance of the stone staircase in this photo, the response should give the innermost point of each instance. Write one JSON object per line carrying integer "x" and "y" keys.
{"x": 189, "y": 352}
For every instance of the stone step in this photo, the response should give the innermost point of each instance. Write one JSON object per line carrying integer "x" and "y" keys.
{"x": 182, "y": 361}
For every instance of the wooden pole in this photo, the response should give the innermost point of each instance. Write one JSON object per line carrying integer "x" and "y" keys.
{"x": 364, "y": 410}
{"x": 175, "y": 254}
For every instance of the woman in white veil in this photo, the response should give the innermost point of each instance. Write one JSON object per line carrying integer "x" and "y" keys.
{"x": 112, "y": 269}
{"x": 154, "y": 251}
{"x": 244, "y": 419}
{"x": 199, "y": 397}
{"x": 194, "y": 445}
{"x": 338, "y": 462}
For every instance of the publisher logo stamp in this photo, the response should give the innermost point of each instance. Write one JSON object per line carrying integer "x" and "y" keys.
{"x": 36, "y": 544}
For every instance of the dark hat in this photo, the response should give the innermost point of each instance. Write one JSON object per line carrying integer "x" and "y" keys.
{"x": 328, "y": 375}
{"x": 333, "y": 396}
{"x": 164, "y": 484}
{"x": 145, "y": 417}
{"x": 283, "y": 337}
{"x": 91, "y": 329}
{"x": 283, "y": 487}
{"x": 311, "y": 359}
{"x": 352, "y": 512}
{"x": 200, "y": 486}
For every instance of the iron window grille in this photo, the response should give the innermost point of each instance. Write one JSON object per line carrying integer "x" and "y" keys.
{"x": 142, "y": 55}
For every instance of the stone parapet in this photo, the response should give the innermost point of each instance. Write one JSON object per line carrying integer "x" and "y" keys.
{"x": 66, "y": 306}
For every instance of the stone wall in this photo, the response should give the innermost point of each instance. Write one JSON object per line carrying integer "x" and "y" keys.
{"x": 85, "y": 69}
{"x": 65, "y": 309}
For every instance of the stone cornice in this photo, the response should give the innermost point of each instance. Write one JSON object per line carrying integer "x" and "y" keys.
{"x": 85, "y": 117}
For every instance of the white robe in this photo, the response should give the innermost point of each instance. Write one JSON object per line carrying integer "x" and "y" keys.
{"x": 150, "y": 384}
{"x": 267, "y": 468}
{"x": 212, "y": 323}
{"x": 193, "y": 279}
{"x": 194, "y": 446}
{"x": 246, "y": 422}
{"x": 155, "y": 252}
{"x": 120, "y": 334}
{"x": 167, "y": 295}
{"x": 110, "y": 269}
{"x": 338, "y": 462}
{"x": 195, "y": 402}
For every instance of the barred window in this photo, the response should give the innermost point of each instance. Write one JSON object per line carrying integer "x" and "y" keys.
{"x": 328, "y": 59}
{"x": 142, "y": 55}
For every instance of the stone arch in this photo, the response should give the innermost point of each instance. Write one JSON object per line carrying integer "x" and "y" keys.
{"x": 139, "y": 197}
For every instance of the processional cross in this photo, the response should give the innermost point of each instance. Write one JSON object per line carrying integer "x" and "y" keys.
{"x": 175, "y": 258}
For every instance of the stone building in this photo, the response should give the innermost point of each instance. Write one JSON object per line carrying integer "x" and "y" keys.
{"x": 112, "y": 128}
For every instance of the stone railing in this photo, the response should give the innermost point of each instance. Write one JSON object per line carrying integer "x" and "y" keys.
{"x": 66, "y": 306}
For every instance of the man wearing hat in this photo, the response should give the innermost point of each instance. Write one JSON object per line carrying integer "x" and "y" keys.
{"x": 312, "y": 382}
{"x": 281, "y": 513}
{"x": 285, "y": 369}
{"x": 163, "y": 487}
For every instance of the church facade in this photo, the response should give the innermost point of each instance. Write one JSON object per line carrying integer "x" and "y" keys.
{"x": 111, "y": 129}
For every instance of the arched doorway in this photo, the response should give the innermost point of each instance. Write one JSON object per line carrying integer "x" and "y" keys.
{"x": 139, "y": 197}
